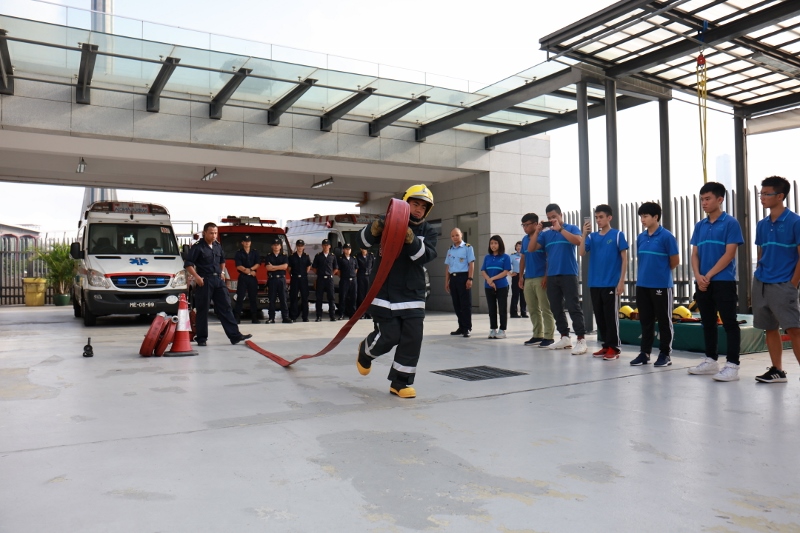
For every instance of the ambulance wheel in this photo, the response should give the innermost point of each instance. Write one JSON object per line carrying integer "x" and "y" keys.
{"x": 89, "y": 319}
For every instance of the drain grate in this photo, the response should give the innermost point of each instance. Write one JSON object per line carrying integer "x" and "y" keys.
{"x": 479, "y": 373}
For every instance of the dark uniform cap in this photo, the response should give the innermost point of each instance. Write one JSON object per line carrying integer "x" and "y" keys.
{"x": 324, "y": 242}
{"x": 346, "y": 245}
{"x": 276, "y": 240}
{"x": 300, "y": 242}
{"x": 246, "y": 238}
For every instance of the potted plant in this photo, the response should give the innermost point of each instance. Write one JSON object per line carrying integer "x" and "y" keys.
{"x": 60, "y": 271}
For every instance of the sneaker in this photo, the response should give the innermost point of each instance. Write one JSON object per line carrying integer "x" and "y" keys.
{"x": 493, "y": 334}
{"x": 546, "y": 343}
{"x": 663, "y": 360}
{"x": 729, "y": 372}
{"x": 611, "y": 354}
{"x": 563, "y": 343}
{"x": 707, "y": 367}
{"x": 501, "y": 334}
{"x": 772, "y": 375}
{"x": 533, "y": 340}
{"x": 601, "y": 352}
{"x": 641, "y": 359}
{"x": 580, "y": 347}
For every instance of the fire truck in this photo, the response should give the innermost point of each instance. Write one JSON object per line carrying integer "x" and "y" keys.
{"x": 261, "y": 232}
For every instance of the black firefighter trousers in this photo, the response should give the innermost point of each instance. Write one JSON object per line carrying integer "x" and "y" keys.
{"x": 406, "y": 334}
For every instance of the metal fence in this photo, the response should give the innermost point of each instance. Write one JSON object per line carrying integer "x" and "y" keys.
{"x": 17, "y": 262}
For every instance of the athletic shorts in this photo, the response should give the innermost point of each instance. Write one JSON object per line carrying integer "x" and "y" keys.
{"x": 775, "y": 305}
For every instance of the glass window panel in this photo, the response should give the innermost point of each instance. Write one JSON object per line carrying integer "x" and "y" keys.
{"x": 346, "y": 64}
{"x": 242, "y": 47}
{"x": 124, "y": 71}
{"x": 427, "y": 112}
{"x": 262, "y": 91}
{"x": 299, "y": 57}
{"x": 612, "y": 55}
{"x": 397, "y": 73}
{"x": 26, "y": 9}
{"x": 43, "y": 59}
{"x": 280, "y": 70}
{"x": 400, "y": 88}
{"x": 510, "y": 117}
{"x": 448, "y": 96}
{"x": 321, "y": 100}
{"x": 126, "y": 27}
{"x": 716, "y": 12}
{"x": 344, "y": 80}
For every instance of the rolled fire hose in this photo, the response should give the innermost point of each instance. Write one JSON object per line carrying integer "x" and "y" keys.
{"x": 392, "y": 241}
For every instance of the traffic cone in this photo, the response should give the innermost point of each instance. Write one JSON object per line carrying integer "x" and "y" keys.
{"x": 181, "y": 345}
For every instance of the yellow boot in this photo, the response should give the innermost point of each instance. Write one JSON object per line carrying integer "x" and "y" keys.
{"x": 405, "y": 392}
{"x": 363, "y": 370}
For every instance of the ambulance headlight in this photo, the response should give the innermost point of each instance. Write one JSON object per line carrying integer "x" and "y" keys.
{"x": 179, "y": 281}
{"x": 97, "y": 279}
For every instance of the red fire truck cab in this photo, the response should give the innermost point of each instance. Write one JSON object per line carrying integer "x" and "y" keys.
{"x": 262, "y": 232}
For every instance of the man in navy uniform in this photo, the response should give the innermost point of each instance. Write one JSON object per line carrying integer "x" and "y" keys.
{"x": 247, "y": 263}
{"x": 348, "y": 270}
{"x": 399, "y": 308}
{"x": 458, "y": 269}
{"x": 205, "y": 263}
{"x": 299, "y": 264}
{"x": 365, "y": 262}
{"x": 324, "y": 266}
{"x": 277, "y": 263}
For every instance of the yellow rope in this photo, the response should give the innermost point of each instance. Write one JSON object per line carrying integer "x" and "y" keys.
{"x": 702, "y": 107}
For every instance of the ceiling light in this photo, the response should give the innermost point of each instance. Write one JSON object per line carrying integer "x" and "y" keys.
{"x": 81, "y": 166}
{"x": 322, "y": 183}
{"x": 775, "y": 63}
{"x": 211, "y": 175}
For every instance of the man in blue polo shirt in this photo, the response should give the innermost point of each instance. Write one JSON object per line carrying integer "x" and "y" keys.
{"x": 607, "y": 266}
{"x": 561, "y": 244}
{"x": 459, "y": 266}
{"x": 533, "y": 282}
{"x": 714, "y": 244}
{"x": 657, "y": 256}
{"x": 777, "y": 275}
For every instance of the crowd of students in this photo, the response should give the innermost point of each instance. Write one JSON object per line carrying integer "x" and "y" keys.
{"x": 547, "y": 276}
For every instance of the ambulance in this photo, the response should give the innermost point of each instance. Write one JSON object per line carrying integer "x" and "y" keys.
{"x": 129, "y": 262}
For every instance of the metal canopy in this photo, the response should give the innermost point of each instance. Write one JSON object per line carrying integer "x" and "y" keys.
{"x": 751, "y": 47}
{"x": 543, "y": 93}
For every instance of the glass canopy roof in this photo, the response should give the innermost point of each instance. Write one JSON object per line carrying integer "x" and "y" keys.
{"x": 41, "y": 48}
{"x": 752, "y": 55}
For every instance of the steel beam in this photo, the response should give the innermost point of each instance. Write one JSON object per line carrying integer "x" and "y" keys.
{"x": 394, "y": 115}
{"x": 281, "y": 106}
{"x": 154, "y": 94}
{"x": 6, "y": 69}
{"x": 501, "y": 102}
{"x": 532, "y": 112}
{"x": 768, "y": 106}
{"x": 83, "y": 94}
{"x": 219, "y": 101}
{"x": 732, "y": 30}
{"x": 550, "y": 124}
{"x": 494, "y": 124}
{"x": 744, "y": 259}
{"x": 571, "y": 96}
{"x": 585, "y": 193}
{"x": 326, "y": 121}
{"x": 666, "y": 194}
{"x": 612, "y": 167}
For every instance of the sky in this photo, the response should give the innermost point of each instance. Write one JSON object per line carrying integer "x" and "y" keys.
{"x": 451, "y": 41}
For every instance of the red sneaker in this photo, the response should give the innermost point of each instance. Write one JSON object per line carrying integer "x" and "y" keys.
{"x": 600, "y": 353}
{"x": 611, "y": 354}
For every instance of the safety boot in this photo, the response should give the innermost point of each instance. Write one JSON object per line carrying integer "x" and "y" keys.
{"x": 363, "y": 361}
{"x": 403, "y": 392}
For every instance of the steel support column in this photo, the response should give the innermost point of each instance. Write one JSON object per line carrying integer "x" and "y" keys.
{"x": 224, "y": 94}
{"x": 287, "y": 101}
{"x": 83, "y": 88}
{"x": 612, "y": 166}
{"x": 744, "y": 259}
{"x": 585, "y": 192}
{"x": 6, "y": 70}
{"x": 154, "y": 94}
{"x": 666, "y": 194}
{"x": 326, "y": 121}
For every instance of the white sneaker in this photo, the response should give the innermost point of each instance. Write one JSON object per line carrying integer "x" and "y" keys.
{"x": 493, "y": 334}
{"x": 580, "y": 347}
{"x": 563, "y": 342}
{"x": 706, "y": 367}
{"x": 500, "y": 334}
{"x": 729, "y": 372}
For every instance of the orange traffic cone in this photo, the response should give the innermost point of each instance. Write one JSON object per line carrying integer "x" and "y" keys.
{"x": 181, "y": 345}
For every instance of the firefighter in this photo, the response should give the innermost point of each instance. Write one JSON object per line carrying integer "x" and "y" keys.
{"x": 399, "y": 308}
{"x": 247, "y": 263}
{"x": 277, "y": 263}
{"x": 324, "y": 266}
{"x": 299, "y": 265}
{"x": 365, "y": 262}
{"x": 348, "y": 270}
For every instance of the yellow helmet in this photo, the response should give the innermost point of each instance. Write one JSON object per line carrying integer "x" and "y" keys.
{"x": 625, "y": 311}
{"x": 420, "y": 192}
{"x": 681, "y": 312}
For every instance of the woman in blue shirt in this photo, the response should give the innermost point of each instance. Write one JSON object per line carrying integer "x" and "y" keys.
{"x": 495, "y": 269}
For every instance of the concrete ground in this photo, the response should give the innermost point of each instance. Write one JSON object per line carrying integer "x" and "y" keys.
{"x": 230, "y": 441}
